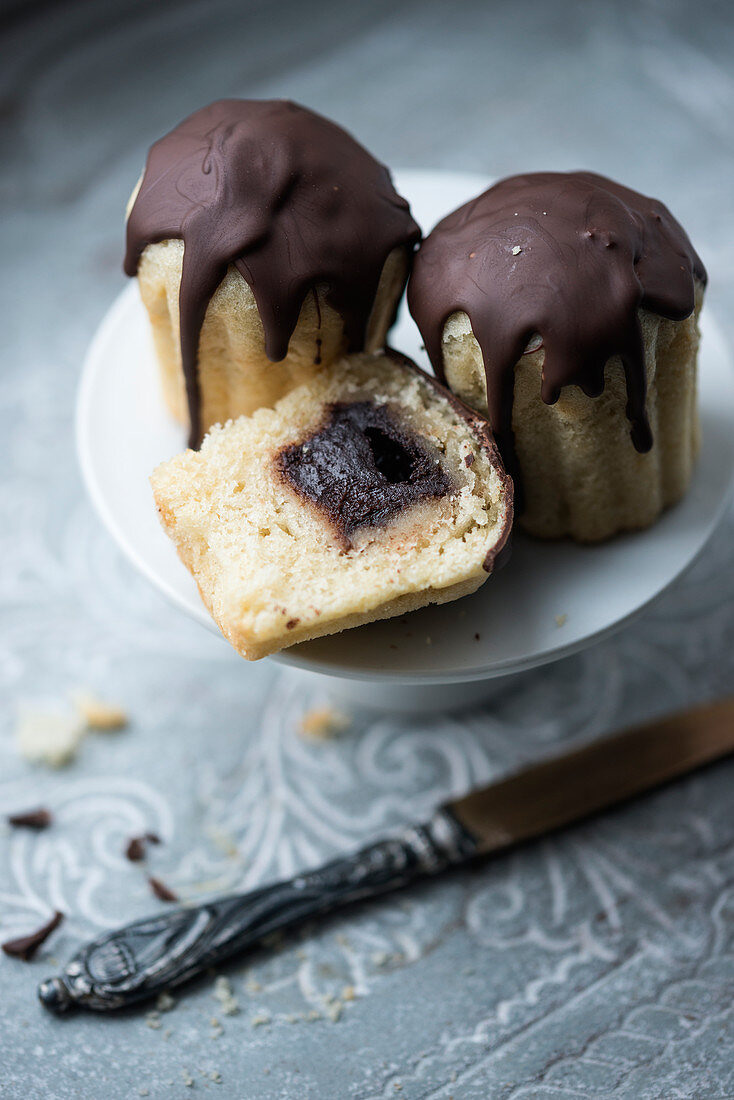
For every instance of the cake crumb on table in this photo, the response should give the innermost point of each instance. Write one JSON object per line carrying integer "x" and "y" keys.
{"x": 224, "y": 994}
{"x": 323, "y": 723}
{"x": 53, "y": 735}
{"x": 98, "y": 714}
{"x": 561, "y": 620}
{"x": 165, "y": 1002}
{"x": 48, "y": 737}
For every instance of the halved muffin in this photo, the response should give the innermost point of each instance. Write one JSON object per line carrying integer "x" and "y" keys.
{"x": 365, "y": 493}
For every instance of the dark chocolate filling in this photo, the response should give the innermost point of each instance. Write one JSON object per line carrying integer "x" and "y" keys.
{"x": 569, "y": 256}
{"x": 289, "y": 198}
{"x": 362, "y": 468}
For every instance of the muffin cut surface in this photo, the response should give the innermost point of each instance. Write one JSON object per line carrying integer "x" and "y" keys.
{"x": 365, "y": 493}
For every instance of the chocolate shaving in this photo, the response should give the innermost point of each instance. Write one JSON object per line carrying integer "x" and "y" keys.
{"x": 26, "y": 946}
{"x": 31, "y": 819}
{"x": 161, "y": 891}
{"x": 135, "y": 850}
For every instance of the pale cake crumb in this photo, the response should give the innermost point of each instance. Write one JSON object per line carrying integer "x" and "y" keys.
{"x": 97, "y": 714}
{"x": 561, "y": 620}
{"x": 263, "y": 591}
{"x": 165, "y": 1002}
{"x": 260, "y": 1019}
{"x": 349, "y": 993}
{"x": 223, "y": 841}
{"x": 323, "y": 723}
{"x": 223, "y": 993}
{"x": 48, "y": 737}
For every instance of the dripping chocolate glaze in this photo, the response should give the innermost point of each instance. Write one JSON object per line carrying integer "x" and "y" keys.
{"x": 570, "y": 257}
{"x": 362, "y": 468}
{"x": 289, "y": 198}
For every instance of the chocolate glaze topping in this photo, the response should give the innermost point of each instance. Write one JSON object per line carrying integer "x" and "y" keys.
{"x": 362, "y": 468}
{"x": 569, "y": 257}
{"x": 289, "y": 198}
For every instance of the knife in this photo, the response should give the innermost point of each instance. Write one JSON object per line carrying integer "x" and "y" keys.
{"x": 157, "y": 953}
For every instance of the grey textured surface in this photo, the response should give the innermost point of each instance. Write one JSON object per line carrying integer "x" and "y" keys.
{"x": 597, "y": 964}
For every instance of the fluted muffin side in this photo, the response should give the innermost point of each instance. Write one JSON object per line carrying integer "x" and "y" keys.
{"x": 234, "y": 372}
{"x": 581, "y": 476}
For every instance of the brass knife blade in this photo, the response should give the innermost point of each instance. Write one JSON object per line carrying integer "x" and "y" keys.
{"x": 577, "y": 784}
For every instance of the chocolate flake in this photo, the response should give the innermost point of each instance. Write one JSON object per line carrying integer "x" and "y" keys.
{"x": 26, "y": 946}
{"x": 135, "y": 849}
{"x": 31, "y": 819}
{"x": 161, "y": 891}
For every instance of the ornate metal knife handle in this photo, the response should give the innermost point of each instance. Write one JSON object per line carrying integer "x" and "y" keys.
{"x": 157, "y": 953}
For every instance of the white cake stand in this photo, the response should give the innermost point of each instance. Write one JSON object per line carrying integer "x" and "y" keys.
{"x": 549, "y": 601}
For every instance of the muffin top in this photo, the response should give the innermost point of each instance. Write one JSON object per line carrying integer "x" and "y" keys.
{"x": 285, "y": 195}
{"x": 568, "y": 257}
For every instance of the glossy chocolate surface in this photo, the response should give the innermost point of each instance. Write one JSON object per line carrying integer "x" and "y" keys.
{"x": 570, "y": 257}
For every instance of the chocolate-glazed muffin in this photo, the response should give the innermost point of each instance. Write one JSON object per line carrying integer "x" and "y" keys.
{"x": 565, "y": 306}
{"x": 267, "y": 243}
{"x": 366, "y": 492}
